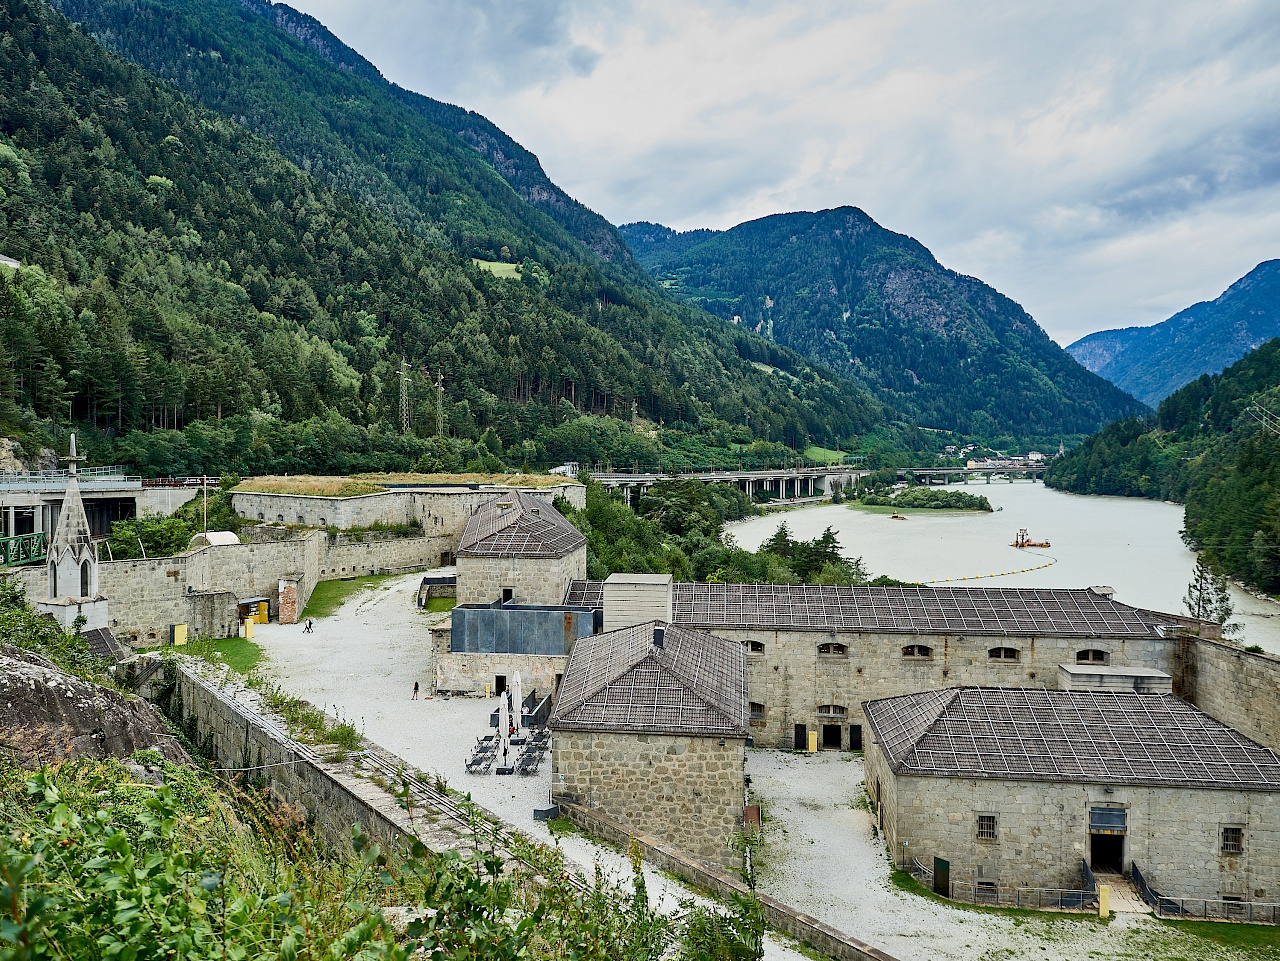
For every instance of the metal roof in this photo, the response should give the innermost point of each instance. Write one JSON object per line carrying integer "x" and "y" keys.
{"x": 619, "y": 681}
{"x": 906, "y": 610}
{"x": 518, "y": 525}
{"x": 102, "y": 643}
{"x": 1041, "y": 735}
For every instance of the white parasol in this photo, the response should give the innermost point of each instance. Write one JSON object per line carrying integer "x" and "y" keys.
{"x": 517, "y": 700}
{"x": 504, "y": 724}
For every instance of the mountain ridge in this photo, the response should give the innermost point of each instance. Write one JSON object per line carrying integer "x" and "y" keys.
{"x": 877, "y": 306}
{"x": 1205, "y": 338}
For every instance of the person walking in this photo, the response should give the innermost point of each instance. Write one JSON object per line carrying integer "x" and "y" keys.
{"x": 415, "y": 691}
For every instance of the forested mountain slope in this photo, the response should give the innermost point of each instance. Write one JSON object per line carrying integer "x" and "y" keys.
{"x": 1152, "y": 362}
{"x": 282, "y": 74}
{"x": 206, "y": 304}
{"x": 876, "y": 306}
{"x": 1207, "y": 446}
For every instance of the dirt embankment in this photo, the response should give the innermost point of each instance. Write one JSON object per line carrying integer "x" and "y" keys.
{"x": 47, "y": 716}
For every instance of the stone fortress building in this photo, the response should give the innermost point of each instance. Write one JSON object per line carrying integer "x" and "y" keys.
{"x": 649, "y": 728}
{"x": 999, "y": 787}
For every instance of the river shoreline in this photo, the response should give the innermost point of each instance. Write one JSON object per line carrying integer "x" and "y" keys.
{"x": 1133, "y": 545}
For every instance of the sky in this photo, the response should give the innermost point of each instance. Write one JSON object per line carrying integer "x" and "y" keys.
{"x": 1104, "y": 164}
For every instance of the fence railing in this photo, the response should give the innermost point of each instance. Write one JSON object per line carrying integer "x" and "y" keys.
{"x": 197, "y": 481}
{"x": 979, "y": 892}
{"x": 992, "y": 892}
{"x": 1213, "y": 909}
{"x": 23, "y": 549}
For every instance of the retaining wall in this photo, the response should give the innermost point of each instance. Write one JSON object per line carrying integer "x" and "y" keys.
{"x": 1239, "y": 688}
{"x": 199, "y": 588}
{"x": 440, "y": 510}
{"x": 328, "y": 794}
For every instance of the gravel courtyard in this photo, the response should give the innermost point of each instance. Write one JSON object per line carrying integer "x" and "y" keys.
{"x": 820, "y": 854}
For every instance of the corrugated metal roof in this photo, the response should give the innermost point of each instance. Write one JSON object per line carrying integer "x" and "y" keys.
{"x": 619, "y": 681}
{"x": 1042, "y": 735}
{"x": 906, "y": 610}
{"x": 518, "y": 525}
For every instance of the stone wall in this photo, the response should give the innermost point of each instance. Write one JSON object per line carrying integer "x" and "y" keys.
{"x": 792, "y": 680}
{"x": 440, "y": 510}
{"x": 328, "y": 792}
{"x": 1174, "y": 833}
{"x": 199, "y": 588}
{"x": 781, "y": 917}
{"x": 466, "y": 673}
{"x": 686, "y": 790}
{"x": 1239, "y": 688}
{"x": 532, "y": 580}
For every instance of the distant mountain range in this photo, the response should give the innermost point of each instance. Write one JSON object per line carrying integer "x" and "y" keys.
{"x": 876, "y": 306}
{"x": 1212, "y": 444}
{"x": 1152, "y": 362}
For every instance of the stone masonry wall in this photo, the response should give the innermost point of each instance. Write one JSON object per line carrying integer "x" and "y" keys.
{"x": 440, "y": 511}
{"x": 199, "y": 587}
{"x": 791, "y": 679}
{"x": 459, "y": 673}
{"x": 1239, "y": 688}
{"x": 1174, "y": 833}
{"x": 685, "y": 790}
{"x": 533, "y": 580}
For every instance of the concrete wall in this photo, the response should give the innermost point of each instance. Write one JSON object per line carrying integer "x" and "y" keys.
{"x": 793, "y": 680}
{"x": 533, "y": 580}
{"x": 1174, "y": 833}
{"x": 1240, "y": 689}
{"x": 686, "y": 790}
{"x": 164, "y": 500}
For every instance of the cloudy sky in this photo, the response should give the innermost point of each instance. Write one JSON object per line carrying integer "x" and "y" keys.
{"x": 1105, "y": 164}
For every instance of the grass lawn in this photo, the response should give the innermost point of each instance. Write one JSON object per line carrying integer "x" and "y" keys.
{"x": 824, "y": 455}
{"x": 498, "y": 268}
{"x": 331, "y": 595}
{"x": 435, "y": 605}
{"x": 1264, "y": 937}
{"x": 239, "y": 654}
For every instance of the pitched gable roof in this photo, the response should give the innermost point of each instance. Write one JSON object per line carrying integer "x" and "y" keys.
{"x": 992, "y": 611}
{"x": 518, "y": 525}
{"x": 1037, "y": 734}
{"x": 619, "y": 681}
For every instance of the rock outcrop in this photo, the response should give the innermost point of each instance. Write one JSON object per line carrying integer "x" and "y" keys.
{"x": 47, "y": 716}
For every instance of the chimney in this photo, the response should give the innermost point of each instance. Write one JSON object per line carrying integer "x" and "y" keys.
{"x": 631, "y": 599}
{"x": 659, "y": 635}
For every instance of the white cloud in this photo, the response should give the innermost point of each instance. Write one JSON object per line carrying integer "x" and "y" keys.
{"x": 1104, "y": 164}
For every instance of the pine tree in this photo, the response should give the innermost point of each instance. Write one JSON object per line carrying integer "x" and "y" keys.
{"x": 1209, "y": 595}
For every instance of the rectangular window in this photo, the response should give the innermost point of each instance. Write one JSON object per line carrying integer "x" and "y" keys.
{"x": 757, "y": 710}
{"x": 986, "y": 827}
{"x": 1233, "y": 840}
{"x": 1108, "y": 820}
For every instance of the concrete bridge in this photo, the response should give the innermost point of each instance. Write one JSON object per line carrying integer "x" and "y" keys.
{"x": 953, "y": 475}
{"x": 784, "y": 483}
{"x": 30, "y": 503}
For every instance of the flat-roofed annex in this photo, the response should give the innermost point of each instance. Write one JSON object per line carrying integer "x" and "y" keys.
{"x": 906, "y": 610}
{"x": 1107, "y": 737}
